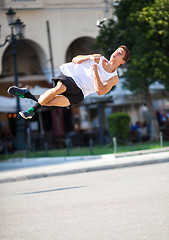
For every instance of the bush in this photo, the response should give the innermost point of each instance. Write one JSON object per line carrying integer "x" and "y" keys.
{"x": 119, "y": 125}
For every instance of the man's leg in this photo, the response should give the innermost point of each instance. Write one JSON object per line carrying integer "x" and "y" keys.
{"x": 46, "y": 100}
{"x": 58, "y": 101}
{"x": 51, "y": 93}
{"x": 21, "y": 92}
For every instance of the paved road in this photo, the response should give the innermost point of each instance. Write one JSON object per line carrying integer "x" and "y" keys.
{"x": 120, "y": 204}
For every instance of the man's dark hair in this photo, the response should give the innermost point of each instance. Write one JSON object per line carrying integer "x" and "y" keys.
{"x": 127, "y": 53}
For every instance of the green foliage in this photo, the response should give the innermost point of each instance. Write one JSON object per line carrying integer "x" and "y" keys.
{"x": 83, "y": 151}
{"x": 144, "y": 27}
{"x": 119, "y": 125}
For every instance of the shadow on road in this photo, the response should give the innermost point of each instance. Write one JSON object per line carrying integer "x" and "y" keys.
{"x": 52, "y": 190}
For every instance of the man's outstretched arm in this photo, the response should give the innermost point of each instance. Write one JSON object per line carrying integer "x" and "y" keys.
{"x": 103, "y": 88}
{"x": 81, "y": 58}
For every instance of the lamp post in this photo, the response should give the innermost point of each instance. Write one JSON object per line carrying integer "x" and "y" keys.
{"x": 17, "y": 33}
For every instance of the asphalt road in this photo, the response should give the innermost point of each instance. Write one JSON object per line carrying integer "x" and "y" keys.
{"x": 120, "y": 204}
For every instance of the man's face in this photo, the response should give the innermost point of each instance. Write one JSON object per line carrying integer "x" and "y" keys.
{"x": 117, "y": 56}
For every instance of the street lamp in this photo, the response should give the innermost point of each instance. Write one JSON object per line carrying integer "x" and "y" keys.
{"x": 11, "y": 16}
{"x": 17, "y": 33}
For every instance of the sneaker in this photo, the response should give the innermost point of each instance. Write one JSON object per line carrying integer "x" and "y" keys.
{"x": 20, "y": 92}
{"x": 27, "y": 114}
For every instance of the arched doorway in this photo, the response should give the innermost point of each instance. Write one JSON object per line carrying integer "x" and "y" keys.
{"x": 31, "y": 62}
{"x": 30, "y": 59}
{"x": 82, "y": 45}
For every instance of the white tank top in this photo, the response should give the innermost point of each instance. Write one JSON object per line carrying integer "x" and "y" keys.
{"x": 83, "y": 76}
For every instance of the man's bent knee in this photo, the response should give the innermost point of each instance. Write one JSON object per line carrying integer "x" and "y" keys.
{"x": 60, "y": 86}
{"x": 51, "y": 93}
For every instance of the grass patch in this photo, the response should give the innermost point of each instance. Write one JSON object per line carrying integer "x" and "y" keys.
{"x": 83, "y": 151}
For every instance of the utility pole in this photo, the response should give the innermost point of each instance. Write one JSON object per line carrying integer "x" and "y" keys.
{"x": 50, "y": 48}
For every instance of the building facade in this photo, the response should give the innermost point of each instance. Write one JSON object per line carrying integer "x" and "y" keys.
{"x": 71, "y": 27}
{"x": 67, "y": 28}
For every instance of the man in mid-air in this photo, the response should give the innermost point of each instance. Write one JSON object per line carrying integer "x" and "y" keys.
{"x": 86, "y": 74}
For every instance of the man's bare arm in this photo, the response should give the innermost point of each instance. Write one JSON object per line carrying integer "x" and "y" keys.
{"x": 81, "y": 58}
{"x": 103, "y": 88}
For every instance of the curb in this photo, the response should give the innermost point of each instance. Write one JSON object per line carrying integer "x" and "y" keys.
{"x": 83, "y": 169}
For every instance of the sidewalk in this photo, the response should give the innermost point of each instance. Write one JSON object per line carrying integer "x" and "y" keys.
{"x": 26, "y": 168}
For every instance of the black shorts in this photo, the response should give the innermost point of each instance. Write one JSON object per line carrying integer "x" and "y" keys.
{"x": 73, "y": 92}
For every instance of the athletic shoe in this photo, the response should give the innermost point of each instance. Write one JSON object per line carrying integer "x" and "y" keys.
{"x": 27, "y": 114}
{"x": 20, "y": 92}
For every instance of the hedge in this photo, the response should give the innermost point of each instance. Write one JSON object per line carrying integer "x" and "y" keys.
{"x": 119, "y": 125}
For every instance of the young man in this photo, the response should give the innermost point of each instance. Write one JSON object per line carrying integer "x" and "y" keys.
{"x": 86, "y": 74}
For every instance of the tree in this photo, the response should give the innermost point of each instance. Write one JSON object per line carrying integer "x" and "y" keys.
{"x": 143, "y": 27}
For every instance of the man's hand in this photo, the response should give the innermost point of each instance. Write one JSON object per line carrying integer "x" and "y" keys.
{"x": 93, "y": 68}
{"x": 95, "y": 58}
